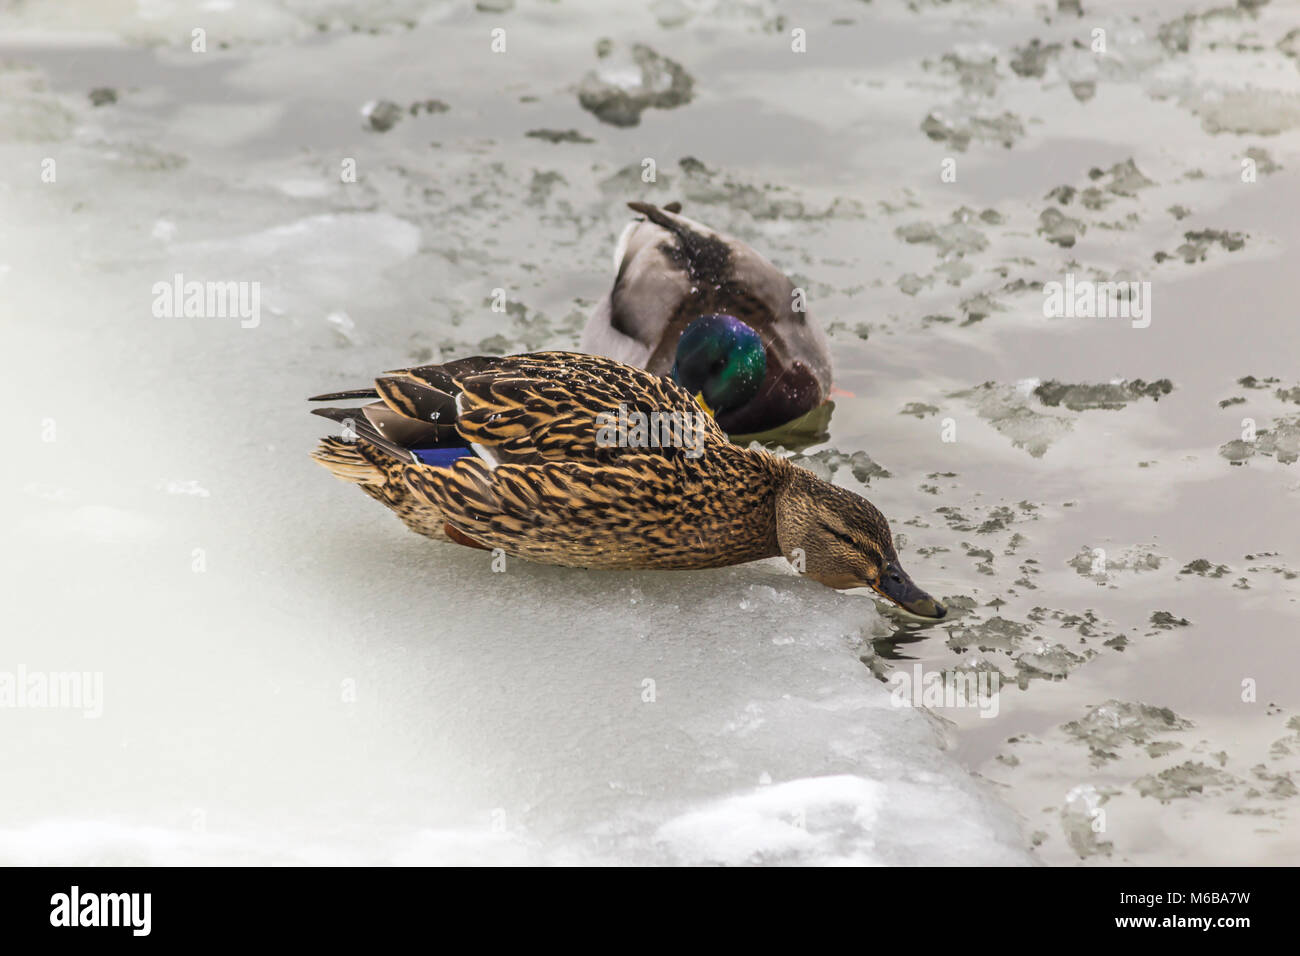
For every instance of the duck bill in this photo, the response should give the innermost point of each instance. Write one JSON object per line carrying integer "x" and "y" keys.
{"x": 895, "y": 585}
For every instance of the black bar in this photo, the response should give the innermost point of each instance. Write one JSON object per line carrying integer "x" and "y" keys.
{"x": 331, "y": 905}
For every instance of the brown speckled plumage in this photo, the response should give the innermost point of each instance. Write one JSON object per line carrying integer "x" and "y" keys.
{"x": 540, "y": 486}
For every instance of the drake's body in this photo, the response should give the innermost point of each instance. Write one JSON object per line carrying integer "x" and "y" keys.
{"x": 671, "y": 271}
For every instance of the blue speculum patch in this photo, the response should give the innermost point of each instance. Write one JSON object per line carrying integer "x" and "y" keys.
{"x": 441, "y": 456}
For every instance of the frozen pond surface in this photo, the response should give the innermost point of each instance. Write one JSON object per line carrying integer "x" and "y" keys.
{"x": 289, "y": 675}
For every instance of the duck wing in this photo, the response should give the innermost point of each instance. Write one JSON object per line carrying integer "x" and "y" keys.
{"x": 548, "y": 406}
{"x": 649, "y": 292}
{"x": 535, "y": 407}
{"x": 540, "y": 486}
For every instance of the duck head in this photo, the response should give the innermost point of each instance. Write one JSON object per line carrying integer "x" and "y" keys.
{"x": 843, "y": 541}
{"x": 721, "y": 361}
{"x": 746, "y": 387}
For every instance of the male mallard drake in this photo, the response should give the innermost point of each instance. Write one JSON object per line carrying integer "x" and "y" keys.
{"x": 546, "y": 456}
{"x": 719, "y": 318}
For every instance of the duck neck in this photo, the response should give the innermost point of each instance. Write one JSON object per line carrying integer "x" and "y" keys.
{"x": 795, "y": 487}
{"x": 745, "y": 527}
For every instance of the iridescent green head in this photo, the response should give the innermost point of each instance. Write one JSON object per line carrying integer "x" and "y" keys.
{"x": 721, "y": 360}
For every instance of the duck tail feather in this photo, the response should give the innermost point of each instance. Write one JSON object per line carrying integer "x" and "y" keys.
{"x": 355, "y": 421}
{"x": 345, "y": 396}
{"x": 345, "y": 460}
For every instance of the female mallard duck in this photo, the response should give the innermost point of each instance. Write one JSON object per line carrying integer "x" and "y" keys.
{"x": 715, "y": 315}
{"x": 582, "y": 461}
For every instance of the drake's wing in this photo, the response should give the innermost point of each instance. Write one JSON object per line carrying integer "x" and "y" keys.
{"x": 651, "y": 290}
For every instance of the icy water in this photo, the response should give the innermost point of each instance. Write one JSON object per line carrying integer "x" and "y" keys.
{"x": 289, "y": 676}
